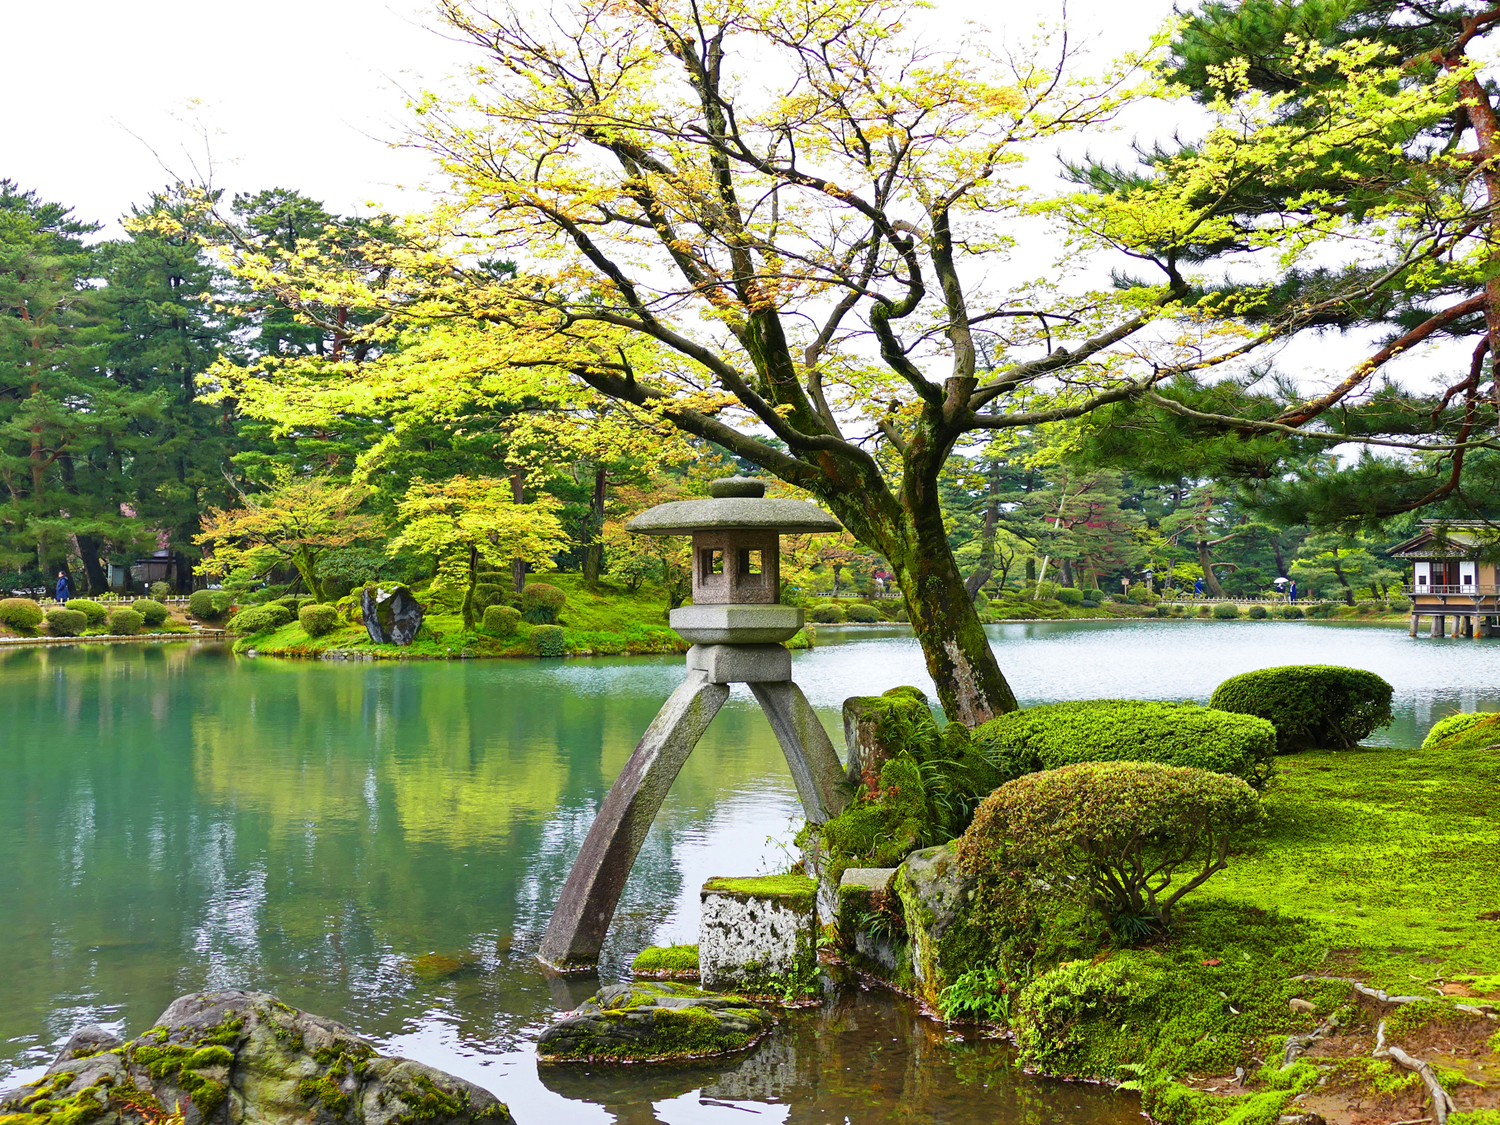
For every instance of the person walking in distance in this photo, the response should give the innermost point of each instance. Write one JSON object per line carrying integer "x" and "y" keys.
{"x": 62, "y": 593}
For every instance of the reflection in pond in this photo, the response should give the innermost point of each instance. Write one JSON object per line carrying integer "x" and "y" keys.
{"x": 382, "y": 843}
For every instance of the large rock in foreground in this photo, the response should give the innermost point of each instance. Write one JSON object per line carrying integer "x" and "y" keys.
{"x": 243, "y": 1058}
{"x": 653, "y": 1021}
{"x": 392, "y": 614}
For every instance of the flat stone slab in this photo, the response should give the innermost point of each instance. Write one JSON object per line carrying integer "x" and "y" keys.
{"x": 653, "y": 1021}
{"x": 248, "y": 1059}
{"x": 866, "y": 911}
{"x": 733, "y": 513}
{"x": 760, "y": 935}
{"x": 736, "y": 623}
{"x": 867, "y": 878}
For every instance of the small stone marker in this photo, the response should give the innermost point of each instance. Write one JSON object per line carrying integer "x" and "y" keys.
{"x": 1297, "y": 1004}
{"x": 759, "y": 936}
{"x": 651, "y": 1021}
{"x": 862, "y": 892}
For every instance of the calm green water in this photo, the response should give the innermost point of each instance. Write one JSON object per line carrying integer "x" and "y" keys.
{"x": 174, "y": 818}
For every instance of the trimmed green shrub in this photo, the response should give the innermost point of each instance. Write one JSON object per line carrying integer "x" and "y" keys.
{"x": 318, "y": 619}
{"x": 209, "y": 605}
{"x": 91, "y": 609}
{"x": 540, "y": 603}
{"x": 66, "y": 622}
{"x": 487, "y": 594}
{"x": 1398, "y": 604}
{"x": 1139, "y": 595}
{"x": 829, "y": 613}
{"x": 1069, "y": 596}
{"x": 1290, "y": 613}
{"x": 548, "y": 640}
{"x": 1044, "y": 591}
{"x": 1089, "y": 603}
{"x": 1257, "y": 613}
{"x": 900, "y": 613}
{"x": 1131, "y": 730}
{"x": 500, "y": 620}
{"x": 160, "y": 591}
{"x": 1322, "y": 609}
{"x": 21, "y": 614}
{"x": 1203, "y": 611}
{"x": 864, "y": 614}
{"x": 1166, "y": 610}
{"x": 125, "y": 622}
{"x": 1312, "y": 706}
{"x": 1226, "y": 611}
{"x": 1115, "y": 833}
{"x": 261, "y": 618}
{"x": 153, "y": 611}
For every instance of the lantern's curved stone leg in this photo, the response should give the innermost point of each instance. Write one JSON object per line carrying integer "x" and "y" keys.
{"x": 809, "y": 753}
{"x": 589, "y": 897}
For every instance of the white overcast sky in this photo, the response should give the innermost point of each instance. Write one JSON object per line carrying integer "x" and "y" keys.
{"x": 304, "y": 94}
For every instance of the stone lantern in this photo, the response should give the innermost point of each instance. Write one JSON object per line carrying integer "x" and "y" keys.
{"x": 735, "y": 625}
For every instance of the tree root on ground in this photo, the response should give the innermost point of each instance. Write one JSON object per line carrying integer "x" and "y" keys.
{"x": 1442, "y": 1104}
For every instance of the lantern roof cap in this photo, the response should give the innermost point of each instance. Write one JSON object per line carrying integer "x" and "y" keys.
{"x": 735, "y": 504}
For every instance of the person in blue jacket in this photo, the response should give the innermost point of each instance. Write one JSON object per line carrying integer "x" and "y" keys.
{"x": 63, "y": 593}
{"x": 1198, "y": 588}
{"x": 1291, "y": 591}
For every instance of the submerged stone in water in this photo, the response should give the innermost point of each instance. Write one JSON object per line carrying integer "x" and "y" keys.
{"x": 392, "y": 614}
{"x": 246, "y": 1058}
{"x": 649, "y": 1021}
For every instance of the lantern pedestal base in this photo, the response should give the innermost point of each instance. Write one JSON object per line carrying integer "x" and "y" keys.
{"x": 576, "y": 933}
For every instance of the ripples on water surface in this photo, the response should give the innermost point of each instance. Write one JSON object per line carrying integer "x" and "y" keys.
{"x": 173, "y": 818}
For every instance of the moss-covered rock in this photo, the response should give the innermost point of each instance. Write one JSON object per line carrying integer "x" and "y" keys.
{"x": 653, "y": 1021}
{"x": 232, "y": 1056}
{"x": 759, "y": 936}
{"x": 666, "y": 962}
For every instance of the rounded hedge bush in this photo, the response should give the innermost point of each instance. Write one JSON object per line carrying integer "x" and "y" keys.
{"x": 1290, "y": 613}
{"x": 125, "y": 622}
{"x": 540, "y": 603}
{"x": 91, "y": 609}
{"x": 21, "y": 614}
{"x": 209, "y": 605}
{"x": 1464, "y": 731}
{"x": 1045, "y": 591}
{"x": 160, "y": 591}
{"x": 261, "y": 618}
{"x": 152, "y": 611}
{"x": 487, "y": 594}
{"x": 1069, "y": 596}
{"x": 500, "y": 620}
{"x": 1115, "y": 832}
{"x": 829, "y": 613}
{"x": 66, "y": 622}
{"x": 1089, "y": 603}
{"x": 317, "y": 620}
{"x": 1257, "y": 613}
{"x": 1226, "y": 611}
{"x": 548, "y": 640}
{"x": 1132, "y": 730}
{"x": 1312, "y": 706}
{"x": 864, "y": 614}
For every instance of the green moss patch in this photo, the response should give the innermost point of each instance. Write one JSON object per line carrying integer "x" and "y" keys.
{"x": 796, "y": 892}
{"x": 669, "y": 962}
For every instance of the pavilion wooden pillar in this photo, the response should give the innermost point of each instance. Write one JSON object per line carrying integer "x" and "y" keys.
{"x": 1439, "y": 625}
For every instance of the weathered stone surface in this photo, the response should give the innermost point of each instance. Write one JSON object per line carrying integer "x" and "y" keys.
{"x": 736, "y": 623}
{"x": 809, "y": 752}
{"x": 759, "y": 935}
{"x": 934, "y": 894}
{"x": 865, "y": 893}
{"x": 243, "y": 1058}
{"x": 392, "y": 614}
{"x": 741, "y": 664}
{"x": 653, "y": 1021}
{"x": 683, "y": 517}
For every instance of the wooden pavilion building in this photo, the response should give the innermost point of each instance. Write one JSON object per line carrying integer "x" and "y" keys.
{"x": 1450, "y": 578}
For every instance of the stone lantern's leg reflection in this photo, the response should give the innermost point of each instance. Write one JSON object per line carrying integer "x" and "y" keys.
{"x": 589, "y": 897}
{"x": 809, "y": 752}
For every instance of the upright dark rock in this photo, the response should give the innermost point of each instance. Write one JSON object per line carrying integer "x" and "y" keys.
{"x": 392, "y": 614}
{"x": 243, "y": 1058}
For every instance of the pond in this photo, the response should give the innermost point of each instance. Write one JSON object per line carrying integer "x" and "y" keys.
{"x": 174, "y": 818}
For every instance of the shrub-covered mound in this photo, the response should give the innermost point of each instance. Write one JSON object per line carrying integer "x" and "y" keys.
{"x": 1472, "y": 731}
{"x": 1102, "y": 730}
{"x": 125, "y": 622}
{"x": 152, "y": 611}
{"x": 549, "y": 640}
{"x": 863, "y": 614}
{"x": 66, "y": 622}
{"x": 540, "y": 603}
{"x": 500, "y": 620}
{"x": 95, "y": 612}
{"x": 261, "y": 618}
{"x": 1127, "y": 838}
{"x": 1226, "y": 611}
{"x": 829, "y": 613}
{"x": 21, "y": 614}
{"x": 318, "y": 619}
{"x": 1312, "y": 706}
{"x": 209, "y": 605}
